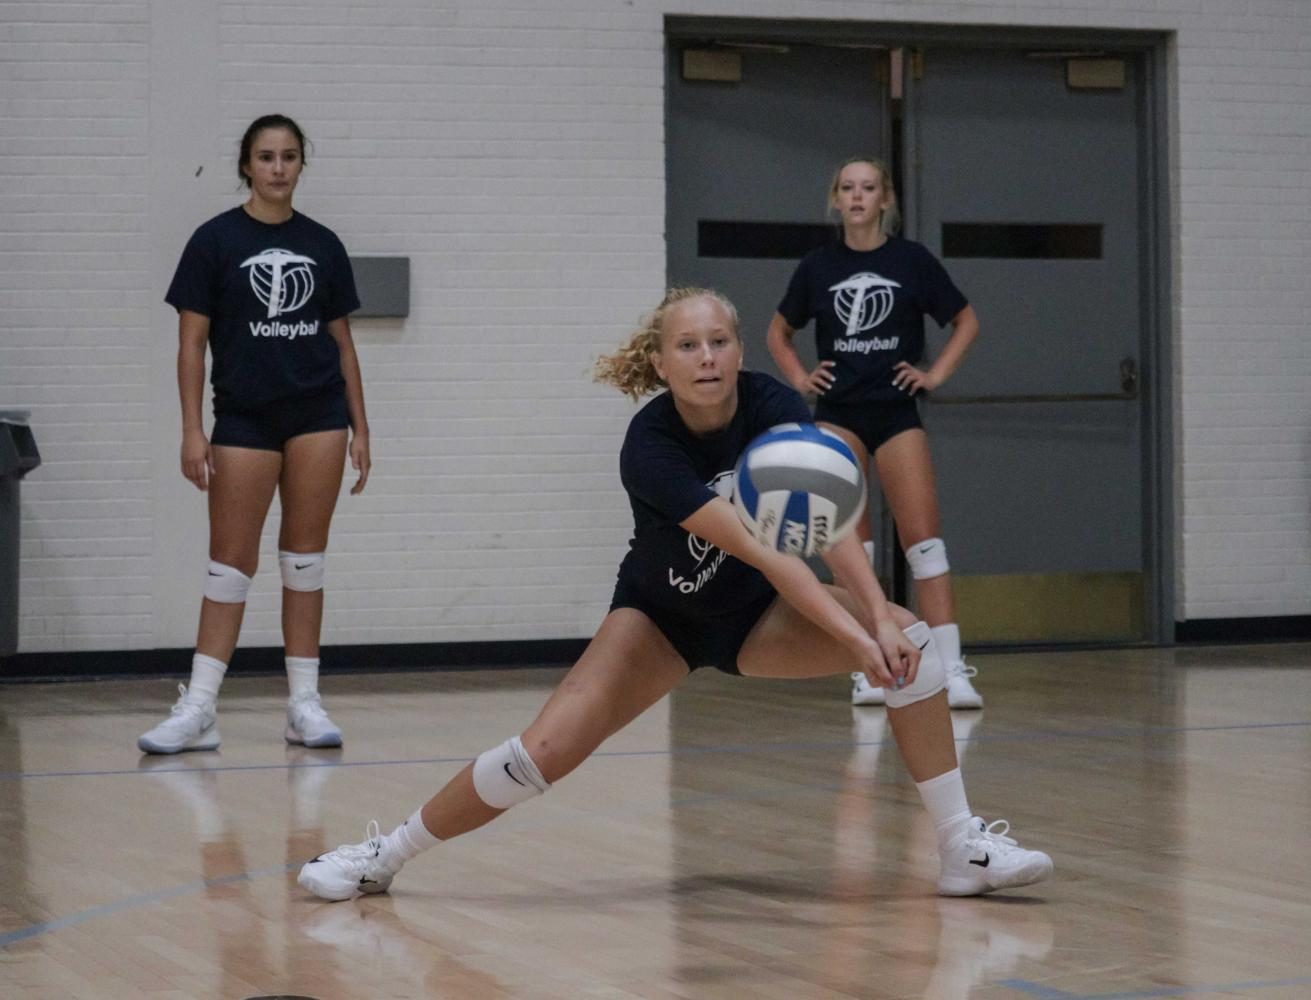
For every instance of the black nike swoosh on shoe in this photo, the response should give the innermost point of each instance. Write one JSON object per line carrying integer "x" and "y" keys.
{"x": 212, "y": 573}
{"x": 512, "y": 777}
{"x": 368, "y": 881}
{"x": 982, "y": 864}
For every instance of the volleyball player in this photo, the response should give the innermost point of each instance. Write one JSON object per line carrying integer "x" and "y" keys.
{"x": 868, "y": 293}
{"x": 268, "y": 291}
{"x": 758, "y": 612}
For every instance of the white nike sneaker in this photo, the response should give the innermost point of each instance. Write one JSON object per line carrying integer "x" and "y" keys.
{"x": 308, "y": 724}
{"x": 960, "y": 692}
{"x": 192, "y": 725}
{"x": 982, "y": 858}
{"x": 863, "y": 692}
{"x": 350, "y": 870}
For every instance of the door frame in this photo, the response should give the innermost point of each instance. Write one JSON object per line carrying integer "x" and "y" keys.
{"x": 1157, "y": 281}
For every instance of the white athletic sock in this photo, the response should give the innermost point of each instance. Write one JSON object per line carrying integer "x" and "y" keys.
{"x": 869, "y": 551}
{"x": 302, "y": 674}
{"x": 944, "y": 798}
{"x": 948, "y": 639}
{"x": 407, "y": 841}
{"x": 206, "y": 676}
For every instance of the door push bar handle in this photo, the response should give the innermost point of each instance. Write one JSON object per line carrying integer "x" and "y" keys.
{"x": 1128, "y": 391}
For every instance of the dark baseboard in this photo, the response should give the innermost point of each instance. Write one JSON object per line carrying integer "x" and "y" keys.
{"x": 501, "y": 655}
{"x": 1285, "y": 628}
{"x": 269, "y": 659}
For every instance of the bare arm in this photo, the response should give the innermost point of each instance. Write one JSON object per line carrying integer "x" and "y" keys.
{"x": 964, "y": 330}
{"x": 340, "y": 330}
{"x": 852, "y": 572}
{"x": 718, "y": 524}
{"x": 193, "y": 338}
{"x": 784, "y": 353}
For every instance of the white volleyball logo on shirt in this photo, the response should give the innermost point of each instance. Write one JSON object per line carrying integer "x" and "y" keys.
{"x": 699, "y": 548}
{"x": 863, "y": 301}
{"x": 282, "y": 280}
{"x": 722, "y": 484}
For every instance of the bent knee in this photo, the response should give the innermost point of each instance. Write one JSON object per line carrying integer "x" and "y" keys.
{"x": 930, "y": 678}
{"x": 556, "y": 758}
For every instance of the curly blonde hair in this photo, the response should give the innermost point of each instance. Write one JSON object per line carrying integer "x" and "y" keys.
{"x": 630, "y": 369}
{"x": 890, "y": 217}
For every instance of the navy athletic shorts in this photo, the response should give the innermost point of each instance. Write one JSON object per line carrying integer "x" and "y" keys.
{"x": 702, "y": 642}
{"x": 874, "y": 423}
{"x": 271, "y": 428}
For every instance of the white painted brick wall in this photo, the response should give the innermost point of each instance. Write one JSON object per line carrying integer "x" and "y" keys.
{"x": 514, "y": 151}
{"x": 74, "y": 294}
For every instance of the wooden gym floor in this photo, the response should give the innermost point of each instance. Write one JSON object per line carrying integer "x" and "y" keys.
{"x": 744, "y": 839}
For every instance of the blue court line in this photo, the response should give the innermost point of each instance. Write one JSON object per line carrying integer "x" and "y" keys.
{"x": 1051, "y": 993}
{"x": 1032, "y": 736}
{"x": 1036, "y": 989}
{"x": 131, "y": 902}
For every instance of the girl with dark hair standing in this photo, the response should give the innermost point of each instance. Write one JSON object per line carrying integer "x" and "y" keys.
{"x": 267, "y": 290}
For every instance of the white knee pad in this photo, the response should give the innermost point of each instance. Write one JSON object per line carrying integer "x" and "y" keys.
{"x": 505, "y": 776}
{"x": 931, "y": 676}
{"x": 928, "y": 558}
{"x": 226, "y": 584}
{"x": 301, "y": 571}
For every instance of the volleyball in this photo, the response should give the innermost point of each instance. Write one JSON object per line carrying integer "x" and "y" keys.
{"x": 798, "y": 488}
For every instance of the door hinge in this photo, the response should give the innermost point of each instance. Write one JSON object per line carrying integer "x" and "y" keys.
{"x": 1129, "y": 377}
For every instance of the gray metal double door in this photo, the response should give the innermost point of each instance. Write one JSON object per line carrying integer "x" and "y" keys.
{"x": 1031, "y": 191}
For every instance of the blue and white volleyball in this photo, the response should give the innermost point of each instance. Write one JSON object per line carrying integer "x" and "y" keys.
{"x": 799, "y": 489}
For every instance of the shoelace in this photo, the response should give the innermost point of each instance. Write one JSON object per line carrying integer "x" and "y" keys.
{"x": 309, "y": 705}
{"x": 367, "y": 851}
{"x": 962, "y": 669}
{"x": 182, "y": 707}
{"x": 996, "y": 836}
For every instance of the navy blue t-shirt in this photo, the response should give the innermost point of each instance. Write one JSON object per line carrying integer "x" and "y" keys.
{"x": 269, "y": 291}
{"x": 670, "y": 473}
{"x": 869, "y": 308}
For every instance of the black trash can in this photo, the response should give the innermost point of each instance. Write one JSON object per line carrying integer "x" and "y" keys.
{"x": 18, "y": 457}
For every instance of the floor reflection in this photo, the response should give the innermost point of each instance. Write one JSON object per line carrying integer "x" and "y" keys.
{"x": 746, "y": 839}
